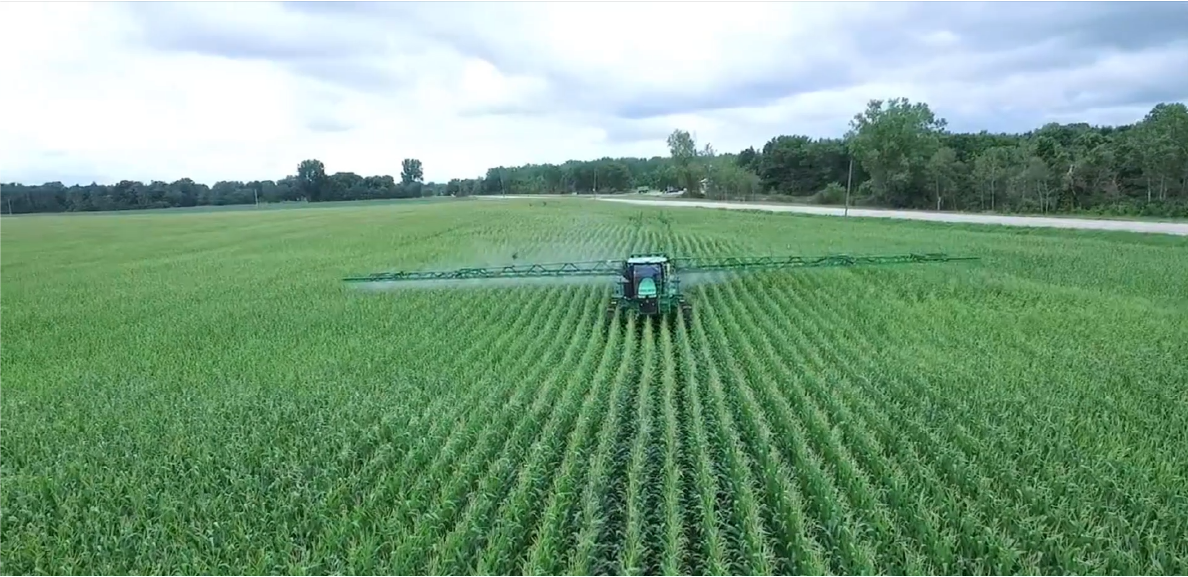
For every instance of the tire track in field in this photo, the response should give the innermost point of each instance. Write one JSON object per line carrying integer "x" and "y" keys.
{"x": 981, "y": 540}
{"x": 391, "y": 433}
{"x": 616, "y": 497}
{"x": 591, "y": 541}
{"x": 498, "y": 450}
{"x": 445, "y": 435}
{"x": 984, "y": 492}
{"x": 887, "y": 431}
{"x": 480, "y": 427}
{"x": 599, "y": 513}
{"x": 843, "y": 508}
{"x": 711, "y": 530}
{"x": 1030, "y": 515}
{"x": 627, "y": 503}
{"x": 635, "y": 557}
{"x": 701, "y": 544}
{"x": 507, "y": 550}
{"x": 850, "y": 449}
{"x": 692, "y": 530}
{"x": 673, "y": 532}
{"x": 706, "y": 491}
{"x": 756, "y": 556}
{"x": 547, "y": 544}
{"x": 554, "y": 535}
{"x": 469, "y": 537}
{"x": 706, "y": 296}
{"x": 814, "y": 455}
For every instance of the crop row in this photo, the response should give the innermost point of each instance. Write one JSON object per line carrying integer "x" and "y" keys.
{"x": 913, "y": 420}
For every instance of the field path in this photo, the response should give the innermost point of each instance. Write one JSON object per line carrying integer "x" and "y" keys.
{"x": 1180, "y": 229}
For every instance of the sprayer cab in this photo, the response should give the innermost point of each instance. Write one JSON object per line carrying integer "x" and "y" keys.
{"x": 648, "y": 286}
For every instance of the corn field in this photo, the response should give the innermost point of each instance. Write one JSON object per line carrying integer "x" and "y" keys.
{"x": 198, "y": 393}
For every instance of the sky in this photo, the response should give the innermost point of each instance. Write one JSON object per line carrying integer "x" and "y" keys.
{"x": 246, "y": 90}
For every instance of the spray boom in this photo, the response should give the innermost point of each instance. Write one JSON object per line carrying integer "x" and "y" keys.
{"x": 649, "y": 284}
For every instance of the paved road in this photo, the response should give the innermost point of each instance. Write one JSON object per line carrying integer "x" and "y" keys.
{"x": 1180, "y": 229}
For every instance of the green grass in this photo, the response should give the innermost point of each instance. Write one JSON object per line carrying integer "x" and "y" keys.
{"x": 198, "y": 393}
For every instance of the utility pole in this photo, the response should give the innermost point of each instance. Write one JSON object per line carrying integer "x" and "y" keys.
{"x": 849, "y": 179}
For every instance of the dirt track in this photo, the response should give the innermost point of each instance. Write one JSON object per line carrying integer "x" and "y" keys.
{"x": 1180, "y": 229}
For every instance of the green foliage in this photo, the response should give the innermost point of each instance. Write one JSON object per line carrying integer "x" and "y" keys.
{"x": 682, "y": 147}
{"x": 311, "y": 179}
{"x": 411, "y": 172}
{"x": 684, "y": 155}
{"x": 904, "y": 158}
{"x": 833, "y": 193}
{"x": 214, "y": 401}
{"x": 894, "y": 140}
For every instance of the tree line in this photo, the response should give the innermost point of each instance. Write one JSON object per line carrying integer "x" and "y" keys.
{"x": 311, "y": 183}
{"x": 897, "y": 153}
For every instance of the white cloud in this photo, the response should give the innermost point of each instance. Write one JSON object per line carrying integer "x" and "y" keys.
{"x": 247, "y": 90}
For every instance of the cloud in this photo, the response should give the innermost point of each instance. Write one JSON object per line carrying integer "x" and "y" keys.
{"x": 246, "y": 90}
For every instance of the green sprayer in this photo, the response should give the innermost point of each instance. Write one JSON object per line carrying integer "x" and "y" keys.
{"x": 648, "y": 285}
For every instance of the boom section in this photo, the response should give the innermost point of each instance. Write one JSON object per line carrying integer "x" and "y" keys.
{"x": 693, "y": 264}
{"x": 589, "y": 268}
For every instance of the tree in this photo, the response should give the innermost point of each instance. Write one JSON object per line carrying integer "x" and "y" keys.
{"x": 684, "y": 155}
{"x": 727, "y": 178}
{"x": 311, "y": 179}
{"x": 990, "y": 168}
{"x": 942, "y": 171}
{"x": 1163, "y": 140}
{"x": 902, "y": 157}
{"x": 893, "y": 141}
{"x": 410, "y": 171}
{"x": 682, "y": 147}
{"x": 1037, "y": 177}
{"x": 614, "y": 176}
{"x": 749, "y": 159}
{"x": 801, "y": 165}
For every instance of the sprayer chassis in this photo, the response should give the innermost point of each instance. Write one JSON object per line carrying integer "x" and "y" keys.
{"x": 665, "y": 301}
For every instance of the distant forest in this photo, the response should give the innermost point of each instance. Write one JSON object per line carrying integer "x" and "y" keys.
{"x": 896, "y": 154}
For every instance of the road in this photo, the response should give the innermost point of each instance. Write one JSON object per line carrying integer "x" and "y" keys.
{"x": 1180, "y": 229}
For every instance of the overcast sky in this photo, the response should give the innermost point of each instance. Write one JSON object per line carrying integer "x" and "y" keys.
{"x": 242, "y": 91}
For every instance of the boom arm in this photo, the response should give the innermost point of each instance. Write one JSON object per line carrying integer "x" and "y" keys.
{"x": 589, "y": 268}
{"x": 772, "y": 262}
{"x": 688, "y": 264}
